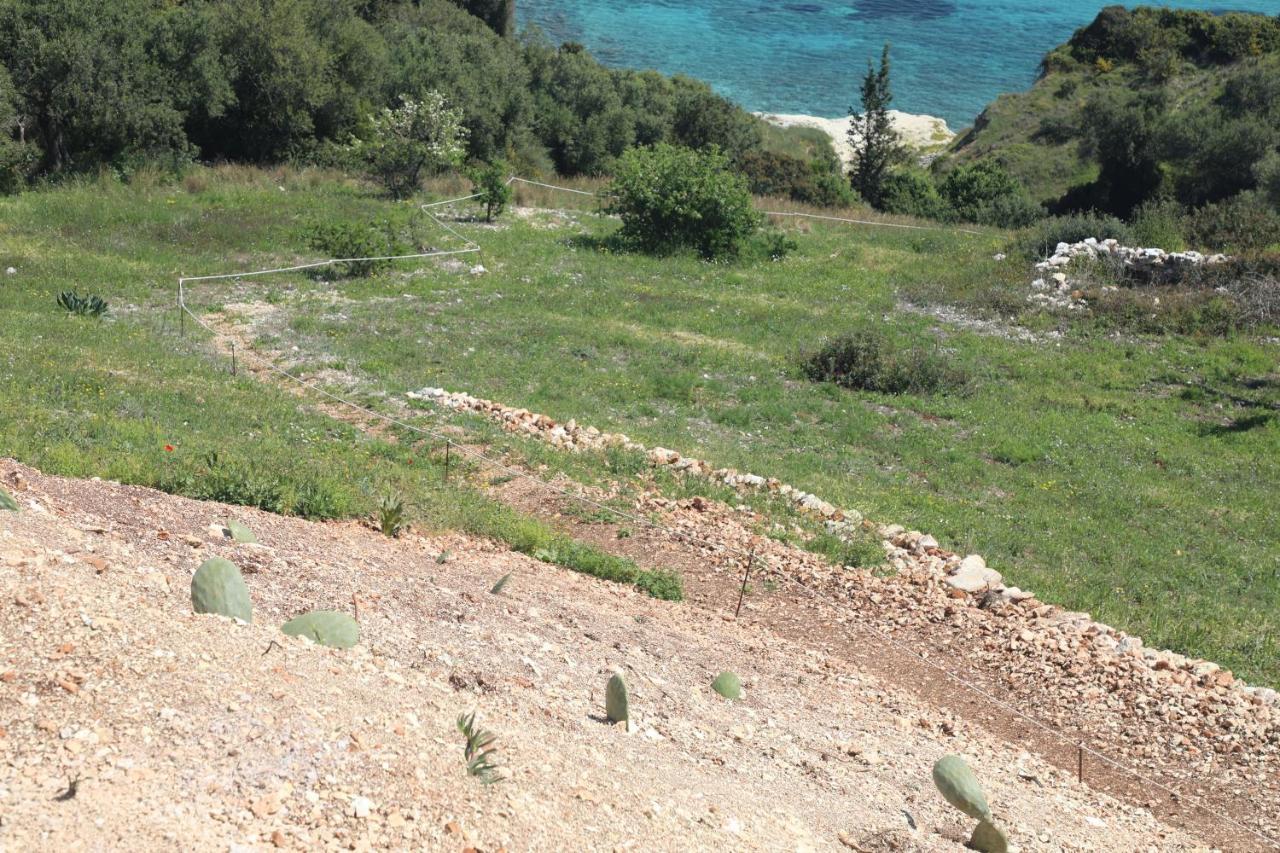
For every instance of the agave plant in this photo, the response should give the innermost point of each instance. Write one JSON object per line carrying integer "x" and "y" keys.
{"x": 82, "y": 306}
{"x": 479, "y": 749}
{"x": 391, "y": 516}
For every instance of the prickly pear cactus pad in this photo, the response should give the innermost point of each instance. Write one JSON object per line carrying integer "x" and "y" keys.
{"x": 326, "y": 628}
{"x": 615, "y": 700}
{"x": 988, "y": 838}
{"x": 217, "y": 587}
{"x": 241, "y": 533}
{"x": 960, "y": 787}
{"x": 7, "y": 502}
{"x": 727, "y": 685}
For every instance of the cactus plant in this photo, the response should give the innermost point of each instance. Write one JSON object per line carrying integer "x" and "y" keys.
{"x": 615, "y": 701}
{"x": 217, "y": 587}
{"x": 7, "y": 502}
{"x": 988, "y": 838}
{"x": 960, "y": 787}
{"x": 727, "y": 685}
{"x": 325, "y": 627}
{"x": 241, "y": 533}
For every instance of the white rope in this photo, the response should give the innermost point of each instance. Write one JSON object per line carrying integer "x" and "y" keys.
{"x": 677, "y": 534}
{"x": 550, "y": 186}
{"x": 870, "y": 222}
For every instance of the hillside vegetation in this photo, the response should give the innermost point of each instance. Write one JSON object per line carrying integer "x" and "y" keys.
{"x": 1132, "y": 477}
{"x": 1147, "y": 105}
{"x": 86, "y": 85}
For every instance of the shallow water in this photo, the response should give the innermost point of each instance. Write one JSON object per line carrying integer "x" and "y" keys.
{"x": 950, "y": 57}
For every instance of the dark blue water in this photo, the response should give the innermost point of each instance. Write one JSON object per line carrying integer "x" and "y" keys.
{"x": 951, "y": 57}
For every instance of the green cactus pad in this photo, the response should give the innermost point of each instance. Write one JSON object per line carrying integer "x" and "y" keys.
{"x": 325, "y": 627}
{"x": 960, "y": 787}
{"x": 502, "y": 582}
{"x": 7, "y": 502}
{"x": 988, "y": 838}
{"x": 615, "y": 700}
{"x": 240, "y": 533}
{"x": 727, "y": 685}
{"x": 217, "y": 587}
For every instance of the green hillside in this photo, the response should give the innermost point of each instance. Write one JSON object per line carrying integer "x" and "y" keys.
{"x": 1128, "y": 476}
{"x": 1143, "y": 104}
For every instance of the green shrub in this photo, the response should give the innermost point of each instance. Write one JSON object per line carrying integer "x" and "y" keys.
{"x": 1040, "y": 239}
{"x": 912, "y": 193}
{"x": 347, "y": 241}
{"x": 1160, "y": 224}
{"x": 671, "y": 198}
{"x": 1245, "y": 224}
{"x": 868, "y": 360}
{"x": 490, "y": 181}
{"x": 770, "y": 173}
{"x": 985, "y": 193}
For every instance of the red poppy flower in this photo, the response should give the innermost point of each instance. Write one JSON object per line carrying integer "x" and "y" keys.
{"x": 168, "y": 448}
{"x": 410, "y": 460}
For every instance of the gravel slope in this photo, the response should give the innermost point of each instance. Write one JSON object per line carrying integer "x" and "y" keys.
{"x": 189, "y": 731}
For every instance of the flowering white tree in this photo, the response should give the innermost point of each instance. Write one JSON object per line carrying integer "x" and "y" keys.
{"x": 416, "y": 137}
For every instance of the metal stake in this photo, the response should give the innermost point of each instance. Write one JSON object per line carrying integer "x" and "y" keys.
{"x": 1080, "y": 763}
{"x": 742, "y": 592}
{"x": 447, "y": 444}
{"x": 233, "y": 358}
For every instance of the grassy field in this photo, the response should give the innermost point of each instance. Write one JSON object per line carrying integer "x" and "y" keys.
{"x": 1107, "y": 473}
{"x": 128, "y": 398}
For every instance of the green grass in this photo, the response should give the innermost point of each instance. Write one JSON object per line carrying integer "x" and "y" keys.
{"x": 107, "y": 397}
{"x": 1083, "y": 468}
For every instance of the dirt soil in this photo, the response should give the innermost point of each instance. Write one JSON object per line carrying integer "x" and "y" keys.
{"x": 129, "y": 722}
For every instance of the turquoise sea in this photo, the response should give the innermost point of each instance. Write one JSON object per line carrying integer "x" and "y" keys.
{"x": 951, "y": 57}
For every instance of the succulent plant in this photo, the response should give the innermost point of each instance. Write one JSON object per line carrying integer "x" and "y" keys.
{"x": 217, "y": 587}
{"x": 7, "y": 502}
{"x": 988, "y": 838}
{"x": 727, "y": 685}
{"x": 615, "y": 700}
{"x": 960, "y": 787}
{"x": 88, "y": 305}
{"x": 326, "y": 628}
{"x": 502, "y": 582}
{"x": 241, "y": 533}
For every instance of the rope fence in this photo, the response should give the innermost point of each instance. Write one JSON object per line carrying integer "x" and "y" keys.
{"x": 748, "y": 556}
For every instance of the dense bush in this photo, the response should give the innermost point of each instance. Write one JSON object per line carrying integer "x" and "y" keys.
{"x": 985, "y": 193}
{"x": 348, "y": 240}
{"x": 1151, "y": 34}
{"x": 1160, "y": 224}
{"x": 809, "y": 182}
{"x": 911, "y": 193}
{"x": 1246, "y": 224}
{"x": 1038, "y": 241}
{"x": 868, "y": 360}
{"x": 670, "y": 197}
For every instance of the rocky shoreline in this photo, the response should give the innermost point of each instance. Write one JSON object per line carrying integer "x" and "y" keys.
{"x": 922, "y": 133}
